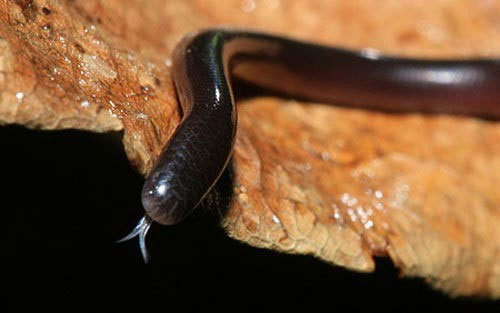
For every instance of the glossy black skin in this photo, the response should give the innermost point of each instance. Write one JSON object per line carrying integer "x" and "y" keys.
{"x": 200, "y": 148}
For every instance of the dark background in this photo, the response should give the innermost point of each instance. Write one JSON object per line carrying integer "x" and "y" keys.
{"x": 69, "y": 195}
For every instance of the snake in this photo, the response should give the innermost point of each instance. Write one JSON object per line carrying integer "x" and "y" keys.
{"x": 205, "y": 63}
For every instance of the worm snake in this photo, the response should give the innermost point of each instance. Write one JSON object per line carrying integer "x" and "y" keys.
{"x": 204, "y": 62}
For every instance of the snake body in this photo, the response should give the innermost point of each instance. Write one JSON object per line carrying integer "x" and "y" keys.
{"x": 204, "y": 63}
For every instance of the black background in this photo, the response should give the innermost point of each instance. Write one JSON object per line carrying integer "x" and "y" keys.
{"x": 69, "y": 195}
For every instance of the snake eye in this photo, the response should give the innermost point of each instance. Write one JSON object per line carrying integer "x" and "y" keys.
{"x": 153, "y": 200}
